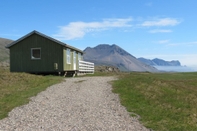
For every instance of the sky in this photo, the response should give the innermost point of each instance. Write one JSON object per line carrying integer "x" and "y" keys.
{"x": 165, "y": 29}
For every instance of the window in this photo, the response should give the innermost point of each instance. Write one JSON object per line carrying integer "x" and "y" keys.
{"x": 35, "y": 53}
{"x": 79, "y": 56}
{"x": 68, "y": 56}
{"x": 74, "y": 57}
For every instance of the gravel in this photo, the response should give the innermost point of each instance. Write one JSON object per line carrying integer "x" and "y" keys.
{"x": 77, "y": 104}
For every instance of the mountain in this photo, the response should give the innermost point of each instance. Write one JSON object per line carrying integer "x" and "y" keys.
{"x": 160, "y": 62}
{"x": 4, "y": 55}
{"x": 113, "y": 55}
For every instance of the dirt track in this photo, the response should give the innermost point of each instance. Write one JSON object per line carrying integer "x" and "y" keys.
{"x": 78, "y": 104}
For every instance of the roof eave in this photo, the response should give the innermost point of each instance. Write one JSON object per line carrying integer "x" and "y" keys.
{"x": 43, "y": 35}
{"x": 71, "y": 47}
{"x": 13, "y": 43}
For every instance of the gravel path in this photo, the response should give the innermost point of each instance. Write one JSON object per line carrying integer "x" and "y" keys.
{"x": 77, "y": 104}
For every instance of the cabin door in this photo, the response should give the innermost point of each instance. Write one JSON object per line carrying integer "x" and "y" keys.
{"x": 74, "y": 60}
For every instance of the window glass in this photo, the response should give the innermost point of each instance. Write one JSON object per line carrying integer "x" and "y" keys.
{"x": 36, "y": 53}
{"x": 79, "y": 56}
{"x": 74, "y": 57}
{"x": 68, "y": 56}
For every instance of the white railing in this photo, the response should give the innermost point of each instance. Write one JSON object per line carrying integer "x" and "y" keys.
{"x": 86, "y": 67}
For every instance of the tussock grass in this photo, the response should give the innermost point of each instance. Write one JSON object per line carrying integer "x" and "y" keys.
{"x": 17, "y": 88}
{"x": 164, "y": 101}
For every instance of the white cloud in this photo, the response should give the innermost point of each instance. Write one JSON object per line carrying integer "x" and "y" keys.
{"x": 79, "y": 29}
{"x": 163, "y": 41}
{"x": 161, "y": 22}
{"x": 192, "y": 43}
{"x": 183, "y": 44}
{"x": 160, "y": 31}
{"x": 149, "y": 4}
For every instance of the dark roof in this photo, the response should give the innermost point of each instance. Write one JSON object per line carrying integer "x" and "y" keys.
{"x": 45, "y": 36}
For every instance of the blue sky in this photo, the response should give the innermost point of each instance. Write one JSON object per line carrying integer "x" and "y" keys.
{"x": 165, "y": 29}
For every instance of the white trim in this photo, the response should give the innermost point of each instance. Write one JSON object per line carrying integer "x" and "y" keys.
{"x": 86, "y": 67}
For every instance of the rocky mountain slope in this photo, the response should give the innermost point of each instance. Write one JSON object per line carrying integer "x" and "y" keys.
{"x": 160, "y": 62}
{"x": 4, "y": 53}
{"x": 113, "y": 55}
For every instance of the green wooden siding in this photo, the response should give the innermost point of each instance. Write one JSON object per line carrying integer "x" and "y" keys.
{"x": 51, "y": 52}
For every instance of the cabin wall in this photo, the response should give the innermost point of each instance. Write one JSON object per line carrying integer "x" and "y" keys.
{"x": 51, "y": 52}
{"x": 70, "y": 66}
{"x": 66, "y": 65}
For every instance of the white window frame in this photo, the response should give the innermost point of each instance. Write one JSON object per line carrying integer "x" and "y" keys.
{"x": 34, "y": 58}
{"x": 68, "y": 56}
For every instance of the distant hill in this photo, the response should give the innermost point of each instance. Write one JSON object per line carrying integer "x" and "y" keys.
{"x": 160, "y": 62}
{"x": 113, "y": 55}
{"x": 4, "y": 53}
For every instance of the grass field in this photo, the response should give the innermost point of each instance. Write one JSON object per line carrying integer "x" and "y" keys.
{"x": 17, "y": 88}
{"x": 164, "y": 101}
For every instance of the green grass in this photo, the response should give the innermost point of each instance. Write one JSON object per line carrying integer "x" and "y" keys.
{"x": 17, "y": 88}
{"x": 164, "y": 101}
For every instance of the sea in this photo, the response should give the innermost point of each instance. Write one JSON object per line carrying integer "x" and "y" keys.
{"x": 175, "y": 69}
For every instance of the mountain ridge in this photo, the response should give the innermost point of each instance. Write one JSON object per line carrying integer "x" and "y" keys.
{"x": 159, "y": 62}
{"x": 114, "y": 47}
{"x": 4, "y": 55}
{"x": 115, "y": 56}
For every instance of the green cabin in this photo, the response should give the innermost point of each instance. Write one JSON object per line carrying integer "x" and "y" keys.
{"x": 38, "y": 53}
